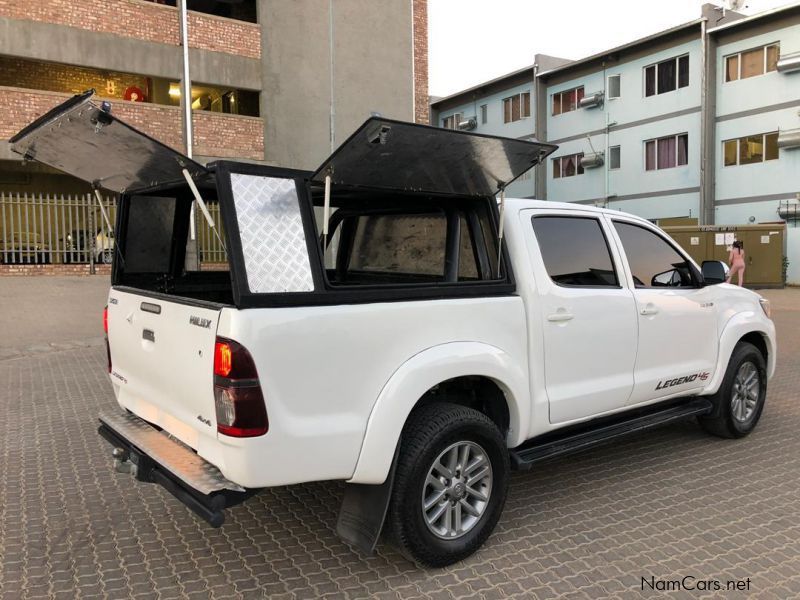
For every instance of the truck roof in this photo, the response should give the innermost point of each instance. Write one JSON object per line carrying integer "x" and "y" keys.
{"x": 527, "y": 203}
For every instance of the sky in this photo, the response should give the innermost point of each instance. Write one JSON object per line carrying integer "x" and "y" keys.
{"x": 471, "y": 41}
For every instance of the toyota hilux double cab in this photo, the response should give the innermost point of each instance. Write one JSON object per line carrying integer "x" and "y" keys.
{"x": 391, "y": 320}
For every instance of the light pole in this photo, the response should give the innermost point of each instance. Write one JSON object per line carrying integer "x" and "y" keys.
{"x": 192, "y": 261}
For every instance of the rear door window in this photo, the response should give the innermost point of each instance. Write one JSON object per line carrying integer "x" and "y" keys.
{"x": 575, "y": 251}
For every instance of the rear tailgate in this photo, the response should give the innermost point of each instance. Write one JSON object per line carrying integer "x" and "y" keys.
{"x": 162, "y": 357}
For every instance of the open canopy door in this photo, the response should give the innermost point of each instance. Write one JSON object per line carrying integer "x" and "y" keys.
{"x": 86, "y": 141}
{"x": 394, "y": 155}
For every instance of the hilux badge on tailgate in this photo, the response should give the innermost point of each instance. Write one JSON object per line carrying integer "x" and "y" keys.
{"x": 200, "y": 322}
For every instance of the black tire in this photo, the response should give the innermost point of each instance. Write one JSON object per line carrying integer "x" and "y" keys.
{"x": 429, "y": 431}
{"x": 106, "y": 257}
{"x": 722, "y": 421}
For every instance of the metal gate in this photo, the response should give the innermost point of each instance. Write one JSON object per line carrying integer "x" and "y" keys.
{"x": 70, "y": 229}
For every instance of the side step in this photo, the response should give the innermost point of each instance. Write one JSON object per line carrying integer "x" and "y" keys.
{"x": 538, "y": 450}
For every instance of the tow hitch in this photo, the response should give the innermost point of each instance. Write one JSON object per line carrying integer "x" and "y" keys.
{"x": 131, "y": 456}
{"x": 122, "y": 463}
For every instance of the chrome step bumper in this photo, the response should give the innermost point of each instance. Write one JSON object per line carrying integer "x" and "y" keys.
{"x": 156, "y": 457}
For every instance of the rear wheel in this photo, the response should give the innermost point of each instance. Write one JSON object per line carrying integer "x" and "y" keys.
{"x": 450, "y": 485}
{"x": 740, "y": 399}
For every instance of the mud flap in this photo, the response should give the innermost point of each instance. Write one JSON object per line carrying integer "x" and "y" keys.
{"x": 363, "y": 511}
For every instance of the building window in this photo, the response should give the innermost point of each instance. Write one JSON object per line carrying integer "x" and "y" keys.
{"x": 241, "y": 11}
{"x": 752, "y": 62}
{"x": 567, "y": 166}
{"x": 613, "y": 86}
{"x": 666, "y": 152}
{"x": 750, "y": 149}
{"x": 517, "y": 107}
{"x": 212, "y": 98}
{"x": 666, "y": 76}
{"x": 484, "y": 114}
{"x": 567, "y": 101}
{"x": 452, "y": 121}
{"x": 614, "y": 157}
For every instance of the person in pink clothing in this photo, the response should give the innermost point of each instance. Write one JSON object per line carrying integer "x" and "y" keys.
{"x": 736, "y": 261}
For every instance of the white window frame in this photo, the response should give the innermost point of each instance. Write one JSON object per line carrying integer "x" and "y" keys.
{"x": 568, "y": 90}
{"x": 738, "y": 141}
{"x": 619, "y": 149}
{"x": 457, "y": 116}
{"x": 656, "y": 140}
{"x": 739, "y": 61}
{"x": 521, "y": 106}
{"x": 619, "y": 86}
{"x": 676, "y": 59}
{"x": 578, "y": 156}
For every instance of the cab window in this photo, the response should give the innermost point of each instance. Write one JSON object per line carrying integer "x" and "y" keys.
{"x": 575, "y": 251}
{"x": 654, "y": 262}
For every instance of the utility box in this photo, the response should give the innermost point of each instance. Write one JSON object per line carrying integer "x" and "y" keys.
{"x": 764, "y": 248}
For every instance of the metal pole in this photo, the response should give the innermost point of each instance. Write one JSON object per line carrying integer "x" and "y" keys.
{"x": 192, "y": 260}
{"x": 332, "y": 124}
{"x": 186, "y": 82}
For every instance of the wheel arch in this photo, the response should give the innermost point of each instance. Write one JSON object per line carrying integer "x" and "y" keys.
{"x": 441, "y": 372}
{"x": 743, "y": 328}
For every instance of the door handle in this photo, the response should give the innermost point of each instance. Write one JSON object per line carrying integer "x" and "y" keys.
{"x": 560, "y": 317}
{"x": 649, "y": 309}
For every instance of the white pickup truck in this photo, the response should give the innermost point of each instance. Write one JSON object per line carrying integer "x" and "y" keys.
{"x": 366, "y": 328}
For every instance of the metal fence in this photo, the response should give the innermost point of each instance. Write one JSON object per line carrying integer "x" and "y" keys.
{"x": 71, "y": 229}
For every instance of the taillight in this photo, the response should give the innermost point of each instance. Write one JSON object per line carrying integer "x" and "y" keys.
{"x": 238, "y": 399}
{"x": 105, "y": 328}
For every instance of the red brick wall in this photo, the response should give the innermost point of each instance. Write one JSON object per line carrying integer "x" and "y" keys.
{"x": 27, "y": 270}
{"x": 420, "y": 61}
{"x": 228, "y": 136}
{"x": 141, "y": 20}
{"x": 215, "y": 134}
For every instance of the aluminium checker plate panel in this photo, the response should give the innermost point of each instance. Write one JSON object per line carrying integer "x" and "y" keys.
{"x": 168, "y": 452}
{"x": 271, "y": 230}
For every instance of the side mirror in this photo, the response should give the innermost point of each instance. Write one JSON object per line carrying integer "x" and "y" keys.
{"x": 714, "y": 271}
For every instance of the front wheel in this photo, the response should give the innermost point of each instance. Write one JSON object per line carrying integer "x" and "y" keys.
{"x": 740, "y": 399}
{"x": 450, "y": 486}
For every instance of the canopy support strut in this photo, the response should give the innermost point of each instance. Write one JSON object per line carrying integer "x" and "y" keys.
{"x": 500, "y": 228}
{"x": 203, "y": 208}
{"x": 326, "y": 215}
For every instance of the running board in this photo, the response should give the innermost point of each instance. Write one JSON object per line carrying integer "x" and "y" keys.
{"x": 523, "y": 457}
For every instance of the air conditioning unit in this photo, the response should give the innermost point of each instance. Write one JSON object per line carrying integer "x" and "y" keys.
{"x": 591, "y": 100}
{"x": 789, "y": 138}
{"x": 789, "y": 63}
{"x": 592, "y": 160}
{"x": 789, "y": 211}
{"x": 468, "y": 124}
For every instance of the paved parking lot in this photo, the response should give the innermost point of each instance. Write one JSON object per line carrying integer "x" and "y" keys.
{"x": 667, "y": 505}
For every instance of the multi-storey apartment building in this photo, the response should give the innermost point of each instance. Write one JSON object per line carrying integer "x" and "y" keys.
{"x": 503, "y": 106}
{"x": 754, "y": 121}
{"x": 271, "y": 81}
{"x": 700, "y": 121}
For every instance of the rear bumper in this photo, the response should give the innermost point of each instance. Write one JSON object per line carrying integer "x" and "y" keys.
{"x": 152, "y": 456}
